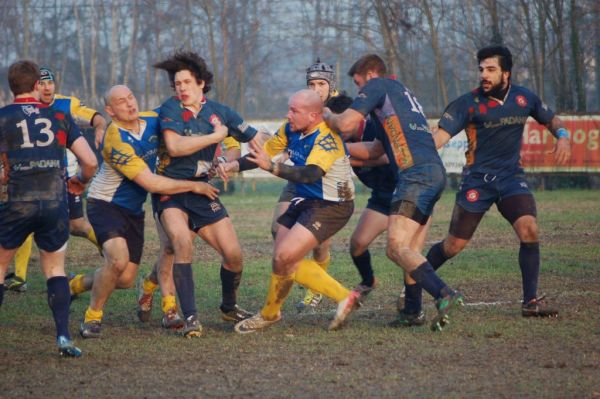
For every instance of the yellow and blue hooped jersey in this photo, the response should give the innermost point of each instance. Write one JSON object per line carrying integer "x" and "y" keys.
{"x": 126, "y": 154}
{"x": 82, "y": 116}
{"x": 322, "y": 147}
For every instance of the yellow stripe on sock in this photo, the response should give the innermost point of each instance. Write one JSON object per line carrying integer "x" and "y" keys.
{"x": 312, "y": 276}
{"x": 22, "y": 257}
{"x": 279, "y": 289}
{"x": 92, "y": 237}
{"x": 76, "y": 284}
{"x": 149, "y": 286}
{"x": 93, "y": 315}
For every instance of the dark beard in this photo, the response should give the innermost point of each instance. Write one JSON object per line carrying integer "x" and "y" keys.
{"x": 497, "y": 91}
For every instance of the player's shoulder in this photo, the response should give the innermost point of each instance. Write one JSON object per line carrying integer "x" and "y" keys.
{"x": 521, "y": 90}
{"x": 149, "y": 115}
{"x": 58, "y": 98}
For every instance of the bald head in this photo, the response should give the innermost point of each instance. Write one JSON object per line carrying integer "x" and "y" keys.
{"x": 121, "y": 105}
{"x": 305, "y": 111}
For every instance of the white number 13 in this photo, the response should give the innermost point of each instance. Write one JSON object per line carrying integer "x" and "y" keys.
{"x": 45, "y": 130}
{"x": 415, "y": 106}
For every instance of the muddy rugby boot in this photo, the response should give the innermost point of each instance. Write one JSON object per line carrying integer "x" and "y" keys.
{"x": 254, "y": 323}
{"x": 537, "y": 307}
{"x": 409, "y": 319}
{"x": 345, "y": 307}
{"x": 93, "y": 329}
{"x": 444, "y": 305}
{"x": 15, "y": 283}
{"x": 311, "y": 301}
{"x": 171, "y": 320}
{"x": 363, "y": 291}
{"x": 66, "y": 347}
{"x": 144, "y": 307}
{"x": 236, "y": 314}
{"x": 191, "y": 327}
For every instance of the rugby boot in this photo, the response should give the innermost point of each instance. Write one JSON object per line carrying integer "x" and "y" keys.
{"x": 444, "y": 305}
{"x": 254, "y": 323}
{"x": 91, "y": 329}
{"x": 191, "y": 327}
{"x": 405, "y": 319}
{"x": 66, "y": 347}
{"x": 144, "y": 305}
{"x": 236, "y": 314}
{"x": 171, "y": 320}
{"x": 363, "y": 291}
{"x": 311, "y": 301}
{"x": 344, "y": 308}
{"x": 15, "y": 283}
{"x": 537, "y": 307}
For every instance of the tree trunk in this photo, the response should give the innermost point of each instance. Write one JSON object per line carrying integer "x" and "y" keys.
{"x": 439, "y": 64}
{"x": 577, "y": 59}
{"x": 114, "y": 44}
{"x": 133, "y": 44}
{"x": 80, "y": 42}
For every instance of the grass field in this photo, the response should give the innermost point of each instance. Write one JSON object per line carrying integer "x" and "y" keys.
{"x": 489, "y": 350}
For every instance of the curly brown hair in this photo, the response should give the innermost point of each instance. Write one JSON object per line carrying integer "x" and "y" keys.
{"x": 187, "y": 61}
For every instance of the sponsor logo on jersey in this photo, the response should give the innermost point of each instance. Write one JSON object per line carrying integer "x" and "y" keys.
{"x": 472, "y": 195}
{"x": 30, "y": 110}
{"x": 215, "y": 120}
{"x": 39, "y": 164}
{"x": 521, "y": 101}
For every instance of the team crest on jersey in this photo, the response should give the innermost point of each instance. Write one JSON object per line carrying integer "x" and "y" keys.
{"x": 215, "y": 120}
{"x": 119, "y": 158}
{"x": 521, "y": 101}
{"x": 30, "y": 110}
{"x": 472, "y": 195}
{"x": 328, "y": 143}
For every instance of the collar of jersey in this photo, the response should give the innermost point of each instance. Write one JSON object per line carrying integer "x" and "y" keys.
{"x": 202, "y": 102}
{"x": 316, "y": 129}
{"x": 27, "y": 100}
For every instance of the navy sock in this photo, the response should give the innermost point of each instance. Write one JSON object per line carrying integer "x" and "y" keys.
{"x": 436, "y": 255}
{"x": 413, "y": 298}
{"x": 59, "y": 300}
{"x": 184, "y": 284}
{"x": 425, "y": 276}
{"x": 363, "y": 264}
{"x": 1, "y": 293}
{"x": 529, "y": 261}
{"x": 230, "y": 281}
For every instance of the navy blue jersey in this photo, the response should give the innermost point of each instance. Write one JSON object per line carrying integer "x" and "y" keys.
{"x": 33, "y": 140}
{"x": 378, "y": 178}
{"x": 173, "y": 116}
{"x": 494, "y": 130}
{"x": 401, "y": 123}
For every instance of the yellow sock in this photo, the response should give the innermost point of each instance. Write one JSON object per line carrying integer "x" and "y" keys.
{"x": 310, "y": 275}
{"x": 91, "y": 315}
{"x": 169, "y": 302}
{"x": 149, "y": 286}
{"x": 22, "y": 258}
{"x": 324, "y": 264}
{"x": 76, "y": 284}
{"x": 92, "y": 237}
{"x": 279, "y": 289}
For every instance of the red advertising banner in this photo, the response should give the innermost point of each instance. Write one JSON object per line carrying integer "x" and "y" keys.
{"x": 538, "y": 144}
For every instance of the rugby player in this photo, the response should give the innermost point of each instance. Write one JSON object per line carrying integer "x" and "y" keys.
{"x": 185, "y": 119}
{"x": 320, "y": 78}
{"x": 116, "y": 198}
{"x": 33, "y": 139}
{"x": 324, "y": 204}
{"x": 402, "y": 134}
{"x": 494, "y": 116}
{"x": 78, "y": 225}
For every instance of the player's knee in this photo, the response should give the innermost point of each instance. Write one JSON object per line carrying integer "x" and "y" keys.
{"x": 528, "y": 233}
{"x": 454, "y": 247}
{"x": 182, "y": 244}
{"x": 357, "y": 247}
{"x": 118, "y": 266}
{"x": 126, "y": 281}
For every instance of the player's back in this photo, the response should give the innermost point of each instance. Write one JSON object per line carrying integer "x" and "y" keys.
{"x": 33, "y": 140}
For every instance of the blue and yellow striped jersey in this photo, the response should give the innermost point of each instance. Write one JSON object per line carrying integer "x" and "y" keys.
{"x": 322, "y": 147}
{"x": 125, "y": 155}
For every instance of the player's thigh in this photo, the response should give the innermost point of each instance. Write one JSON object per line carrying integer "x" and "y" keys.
{"x": 370, "y": 225}
{"x": 53, "y": 263}
{"x": 279, "y": 210}
{"x": 293, "y": 246}
{"x": 222, "y": 237}
{"x": 402, "y": 230}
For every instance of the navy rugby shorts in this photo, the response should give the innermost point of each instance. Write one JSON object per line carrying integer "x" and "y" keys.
{"x": 201, "y": 210}
{"x": 478, "y": 191}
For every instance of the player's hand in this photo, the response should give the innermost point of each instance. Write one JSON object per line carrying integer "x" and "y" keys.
{"x": 75, "y": 186}
{"x": 206, "y": 189}
{"x": 98, "y": 136}
{"x": 259, "y": 156}
{"x": 562, "y": 151}
{"x": 220, "y": 132}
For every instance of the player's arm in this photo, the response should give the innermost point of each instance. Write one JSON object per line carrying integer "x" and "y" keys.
{"x": 382, "y": 160}
{"x": 296, "y": 174}
{"x": 346, "y": 123}
{"x": 163, "y": 185}
{"x": 86, "y": 116}
{"x": 562, "y": 149}
{"x": 181, "y": 146}
{"x": 366, "y": 150}
{"x": 86, "y": 158}
{"x": 441, "y": 137}
{"x": 99, "y": 125}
